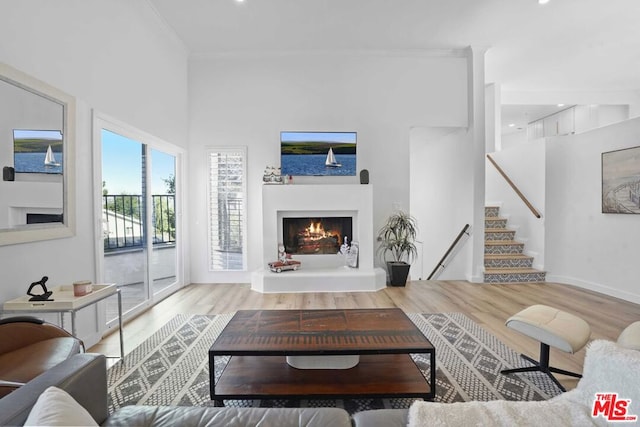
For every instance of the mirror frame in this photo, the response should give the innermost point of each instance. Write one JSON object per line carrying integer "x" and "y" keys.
{"x": 39, "y": 232}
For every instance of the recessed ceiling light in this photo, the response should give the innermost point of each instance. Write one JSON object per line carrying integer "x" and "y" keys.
{"x": 543, "y": 1}
{"x": 560, "y": 105}
{"x": 511, "y": 125}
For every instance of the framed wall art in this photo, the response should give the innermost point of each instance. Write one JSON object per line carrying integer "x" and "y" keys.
{"x": 621, "y": 181}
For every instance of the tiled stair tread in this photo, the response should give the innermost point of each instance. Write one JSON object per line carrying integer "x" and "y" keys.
{"x": 511, "y": 270}
{"x": 507, "y": 256}
{"x": 502, "y": 242}
{"x": 494, "y": 218}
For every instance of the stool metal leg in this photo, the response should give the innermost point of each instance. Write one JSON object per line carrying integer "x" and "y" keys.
{"x": 542, "y": 366}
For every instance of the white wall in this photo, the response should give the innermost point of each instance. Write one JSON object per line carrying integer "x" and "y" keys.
{"x": 513, "y": 139}
{"x": 585, "y": 247}
{"x": 442, "y": 199}
{"x": 114, "y": 56}
{"x": 248, "y": 99}
{"x": 524, "y": 164}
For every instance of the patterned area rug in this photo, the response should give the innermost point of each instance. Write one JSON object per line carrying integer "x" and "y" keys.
{"x": 171, "y": 367}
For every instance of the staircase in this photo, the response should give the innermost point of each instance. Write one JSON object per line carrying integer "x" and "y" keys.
{"x": 504, "y": 260}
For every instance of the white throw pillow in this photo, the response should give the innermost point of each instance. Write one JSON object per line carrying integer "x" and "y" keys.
{"x": 55, "y": 407}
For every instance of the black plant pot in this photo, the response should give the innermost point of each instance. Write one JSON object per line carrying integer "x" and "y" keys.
{"x": 398, "y": 272}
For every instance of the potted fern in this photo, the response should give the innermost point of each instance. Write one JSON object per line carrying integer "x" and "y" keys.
{"x": 397, "y": 246}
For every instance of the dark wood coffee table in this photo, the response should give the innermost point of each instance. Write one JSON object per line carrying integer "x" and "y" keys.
{"x": 258, "y": 342}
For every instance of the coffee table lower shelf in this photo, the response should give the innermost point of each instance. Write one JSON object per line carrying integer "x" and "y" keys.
{"x": 270, "y": 377}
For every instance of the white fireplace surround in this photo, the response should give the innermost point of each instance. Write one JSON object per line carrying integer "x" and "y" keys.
{"x": 319, "y": 273}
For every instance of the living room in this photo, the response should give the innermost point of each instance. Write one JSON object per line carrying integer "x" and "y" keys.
{"x": 121, "y": 59}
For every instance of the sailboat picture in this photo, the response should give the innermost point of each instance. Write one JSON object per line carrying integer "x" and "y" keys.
{"x": 331, "y": 161}
{"x": 49, "y": 158}
{"x": 37, "y": 151}
{"x": 318, "y": 153}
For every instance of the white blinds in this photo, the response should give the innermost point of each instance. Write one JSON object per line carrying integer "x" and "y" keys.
{"x": 226, "y": 208}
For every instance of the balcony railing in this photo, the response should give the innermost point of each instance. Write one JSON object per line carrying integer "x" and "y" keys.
{"x": 122, "y": 221}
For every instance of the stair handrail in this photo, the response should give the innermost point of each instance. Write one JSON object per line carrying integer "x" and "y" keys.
{"x": 515, "y": 188}
{"x": 446, "y": 254}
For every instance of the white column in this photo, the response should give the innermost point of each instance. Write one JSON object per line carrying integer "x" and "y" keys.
{"x": 493, "y": 117}
{"x": 477, "y": 130}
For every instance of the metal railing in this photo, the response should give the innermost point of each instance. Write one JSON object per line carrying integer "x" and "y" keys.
{"x": 451, "y": 248}
{"x": 122, "y": 217}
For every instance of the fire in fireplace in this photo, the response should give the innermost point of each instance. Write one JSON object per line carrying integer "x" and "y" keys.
{"x": 310, "y": 236}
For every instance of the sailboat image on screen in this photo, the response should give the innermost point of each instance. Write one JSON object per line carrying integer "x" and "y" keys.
{"x": 331, "y": 161}
{"x": 50, "y": 159}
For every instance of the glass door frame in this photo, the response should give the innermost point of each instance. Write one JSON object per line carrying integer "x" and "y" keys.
{"x": 100, "y": 122}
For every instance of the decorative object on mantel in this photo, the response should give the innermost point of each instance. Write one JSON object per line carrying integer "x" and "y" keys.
{"x": 272, "y": 175}
{"x": 282, "y": 253}
{"x": 350, "y": 253}
{"x": 284, "y": 262}
{"x": 398, "y": 238}
{"x": 364, "y": 176}
{"x": 287, "y": 265}
{"x": 45, "y": 292}
{"x": 8, "y": 173}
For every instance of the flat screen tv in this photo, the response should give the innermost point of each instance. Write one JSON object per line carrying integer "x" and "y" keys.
{"x": 318, "y": 153}
{"x": 37, "y": 151}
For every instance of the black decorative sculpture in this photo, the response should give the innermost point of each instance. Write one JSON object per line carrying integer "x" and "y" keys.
{"x": 46, "y": 293}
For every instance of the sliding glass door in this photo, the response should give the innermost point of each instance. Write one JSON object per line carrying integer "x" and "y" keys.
{"x": 124, "y": 220}
{"x": 139, "y": 233}
{"x": 163, "y": 199}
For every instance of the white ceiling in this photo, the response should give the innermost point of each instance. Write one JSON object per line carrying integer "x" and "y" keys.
{"x": 565, "y": 45}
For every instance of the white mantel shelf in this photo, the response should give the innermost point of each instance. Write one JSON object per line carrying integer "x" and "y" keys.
{"x": 319, "y": 273}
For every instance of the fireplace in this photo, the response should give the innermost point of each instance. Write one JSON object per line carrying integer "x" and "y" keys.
{"x": 319, "y": 273}
{"x": 316, "y": 235}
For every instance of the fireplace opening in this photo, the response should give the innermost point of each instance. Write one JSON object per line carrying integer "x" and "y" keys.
{"x": 320, "y": 235}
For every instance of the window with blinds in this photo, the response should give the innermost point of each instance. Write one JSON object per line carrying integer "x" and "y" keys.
{"x": 227, "y": 171}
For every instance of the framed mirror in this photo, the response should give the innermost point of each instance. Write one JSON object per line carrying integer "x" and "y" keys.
{"x": 37, "y": 155}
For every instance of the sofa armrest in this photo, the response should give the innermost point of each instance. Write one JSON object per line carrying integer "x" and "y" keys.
{"x": 83, "y": 376}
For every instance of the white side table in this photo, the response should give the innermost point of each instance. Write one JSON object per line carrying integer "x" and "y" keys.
{"x": 65, "y": 302}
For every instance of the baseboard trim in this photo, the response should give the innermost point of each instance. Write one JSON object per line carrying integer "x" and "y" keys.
{"x": 596, "y": 287}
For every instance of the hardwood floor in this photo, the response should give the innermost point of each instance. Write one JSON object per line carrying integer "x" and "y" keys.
{"x": 487, "y": 304}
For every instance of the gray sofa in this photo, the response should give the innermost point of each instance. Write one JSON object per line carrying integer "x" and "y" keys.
{"x": 84, "y": 377}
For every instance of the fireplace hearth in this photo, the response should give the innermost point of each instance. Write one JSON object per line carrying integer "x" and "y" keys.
{"x": 316, "y": 236}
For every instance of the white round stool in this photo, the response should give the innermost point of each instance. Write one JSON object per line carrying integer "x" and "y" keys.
{"x": 553, "y": 328}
